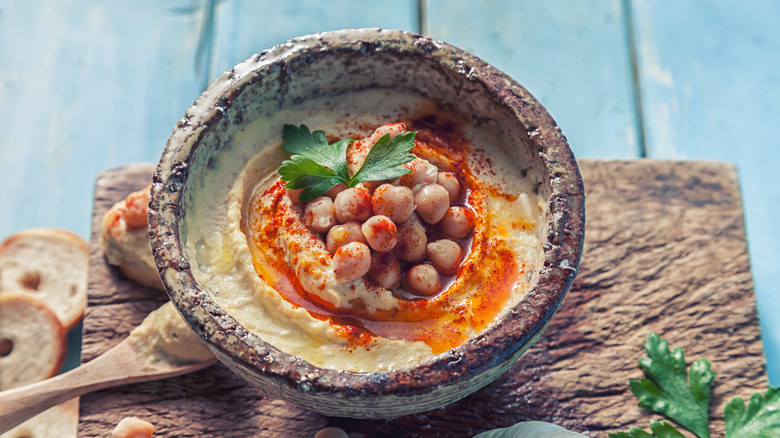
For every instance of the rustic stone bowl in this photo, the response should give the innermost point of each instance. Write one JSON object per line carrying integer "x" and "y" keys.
{"x": 357, "y": 59}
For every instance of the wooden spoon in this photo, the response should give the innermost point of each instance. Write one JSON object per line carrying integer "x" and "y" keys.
{"x": 120, "y": 365}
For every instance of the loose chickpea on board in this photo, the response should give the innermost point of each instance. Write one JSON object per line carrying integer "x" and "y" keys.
{"x": 133, "y": 427}
{"x": 331, "y": 432}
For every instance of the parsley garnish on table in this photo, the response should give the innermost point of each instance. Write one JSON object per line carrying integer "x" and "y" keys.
{"x": 685, "y": 398}
{"x": 317, "y": 166}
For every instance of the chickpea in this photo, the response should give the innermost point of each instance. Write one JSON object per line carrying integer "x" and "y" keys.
{"x": 432, "y": 202}
{"x": 395, "y": 202}
{"x": 319, "y": 215}
{"x": 341, "y": 235}
{"x": 357, "y": 151}
{"x": 450, "y": 182}
{"x": 445, "y": 255}
{"x": 128, "y": 427}
{"x": 353, "y": 204}
{"x": 385, "y": 270}
{"x": 356, "y": 155}
{"x": 457, "y": 222}
{"x": 351, "y": 262}
{"x": 423, "y": 173}
{"x": 411, "y": 240}
{"x": 294, "y": 195}
{"x": 391, "y": 128}
{"x": 380, "y": 233}
{"x": 335, "y": 190}
{"x": 331, "y": 432}
{"x": 422, "y": 280}
{"x": 371, "y": 185}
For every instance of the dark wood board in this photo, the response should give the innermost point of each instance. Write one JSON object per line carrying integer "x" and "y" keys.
{"x": 665, "y": 252}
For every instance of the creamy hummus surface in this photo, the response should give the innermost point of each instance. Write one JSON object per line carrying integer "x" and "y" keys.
{"x": 252, "y": 252}
{"x": 163, "y": 336}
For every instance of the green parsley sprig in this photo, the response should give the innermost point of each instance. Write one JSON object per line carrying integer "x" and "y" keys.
{"x": 666, "y": 392}
{"x": 317, "y": 166}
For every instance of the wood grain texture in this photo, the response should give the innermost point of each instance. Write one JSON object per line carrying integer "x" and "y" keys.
{"x": 572, "y": 55}
{"x": 665, "y": 253}
{"x": 710, "y": 87}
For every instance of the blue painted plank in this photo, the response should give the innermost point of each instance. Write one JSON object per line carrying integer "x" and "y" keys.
{"x": 572, "y": 55}
{"x": 85, "y": 86}
{"x": 710, "y": 89}
{"x": 243, "y": 27}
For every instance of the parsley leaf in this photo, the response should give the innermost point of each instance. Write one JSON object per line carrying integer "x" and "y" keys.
{"x": 385, "y": 158}
{"x": 317, "y": 166}
{"x": 760, "y": 419}
{"x": 304, "y": 173}
{"x": 667, "y": 392}
{"x": 660, "y": 430}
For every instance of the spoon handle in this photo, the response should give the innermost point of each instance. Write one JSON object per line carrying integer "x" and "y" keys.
{"x": 118, "y": 366}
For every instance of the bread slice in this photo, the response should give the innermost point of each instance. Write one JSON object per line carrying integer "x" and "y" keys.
{"x": 50, "y": 265}
{"x": 61, "y": 421}
{"x": 125, "y": 239}
{"x": 32, "y": 341}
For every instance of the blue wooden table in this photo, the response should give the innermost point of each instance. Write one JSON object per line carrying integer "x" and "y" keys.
{"x": 89, "y": 85}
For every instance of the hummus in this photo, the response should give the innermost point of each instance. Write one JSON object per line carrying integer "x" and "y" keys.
{"x": 258, "y": 261}
{"x": 163, "y": 336}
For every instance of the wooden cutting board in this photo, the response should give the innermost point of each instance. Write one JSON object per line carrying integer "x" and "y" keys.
{"x": 664, "y": 252}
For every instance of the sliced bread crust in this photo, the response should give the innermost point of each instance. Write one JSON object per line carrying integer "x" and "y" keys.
{"x": 60, "y": 421}
{"x": 50, "y": 265}
{"x": 32, "y": 341}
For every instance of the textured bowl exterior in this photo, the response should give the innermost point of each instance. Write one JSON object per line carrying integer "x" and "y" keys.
{"x": 431, "y": 384}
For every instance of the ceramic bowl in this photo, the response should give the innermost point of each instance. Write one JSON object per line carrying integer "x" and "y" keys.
{"x": 328, "y": 64}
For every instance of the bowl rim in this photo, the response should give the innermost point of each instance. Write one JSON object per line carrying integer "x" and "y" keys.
{"x": 510, "y": 336}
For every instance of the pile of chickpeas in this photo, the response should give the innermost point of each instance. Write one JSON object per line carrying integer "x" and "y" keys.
{"x": 385, "y": 232}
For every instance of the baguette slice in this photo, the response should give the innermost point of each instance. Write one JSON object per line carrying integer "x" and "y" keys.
{"x": 32, "y": 341}
{"x": 125, "y": 239}
{"x": 61, "y": 421}
{"x": 50, "y": 265}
